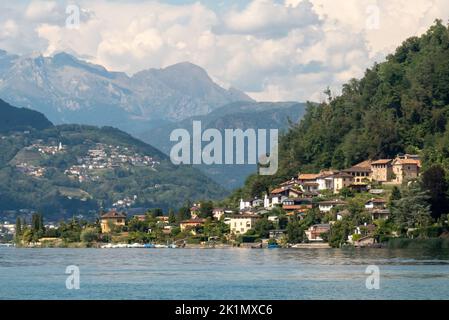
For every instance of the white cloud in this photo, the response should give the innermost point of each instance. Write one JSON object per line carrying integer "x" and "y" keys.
{"x": 273, "y": 50}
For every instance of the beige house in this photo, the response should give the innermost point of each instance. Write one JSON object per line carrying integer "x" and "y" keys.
{"x": 240, "y": 224}
{"x": 382, "y": 170}
{"x": 342, "y": 180}
{"x": 191, "y": 224}
{"x": 360, "y": 174}
{"x": 405, "y": 169}
{"x": 110, "y": 219}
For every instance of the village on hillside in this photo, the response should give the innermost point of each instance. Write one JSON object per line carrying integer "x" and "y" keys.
{"x": 299, "y": 212}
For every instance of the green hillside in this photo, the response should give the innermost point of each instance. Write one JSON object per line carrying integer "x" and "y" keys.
{"x": 12, "y": 118}
{"x": 72, "y": 169}
{"x": 400, "y": 105}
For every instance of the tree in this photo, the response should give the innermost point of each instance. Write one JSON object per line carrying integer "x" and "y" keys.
{"x": 206, "y": 209}
{"x": 339, "y": 233}
{"x": 413, "y": 209}
{"x": 18, "y": 226}
{"x": 89, "y": 235}
{"x": 295, "y": 232}
{"x": 171, "y": 216}
{"x": 395, "y": 195}
{"x": 434, "y": 180}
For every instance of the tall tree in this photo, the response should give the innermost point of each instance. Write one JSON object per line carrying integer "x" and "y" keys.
{"x": 434, "y": 180}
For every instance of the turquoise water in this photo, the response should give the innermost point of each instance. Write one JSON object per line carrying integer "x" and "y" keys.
{"x": 222, "y": 274}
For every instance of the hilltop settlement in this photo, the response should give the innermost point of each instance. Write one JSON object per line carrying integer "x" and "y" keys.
{"x": 361, "y": 206}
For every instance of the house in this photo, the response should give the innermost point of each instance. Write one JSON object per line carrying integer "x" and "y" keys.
{"x": 314, "y": 232}
{"x": 217, "y": 213}
{"x": 191, "y": 224}
{"x": 240, "y": 224}
{"x": 342, "y": 214}
{"x": 307, "y": 178}
{"x": 342, "y": 180}
{"x": 245, "y": 203}
{"x": 195, "y": 210}
{"x": 140, "y": 217}
{"x": 380, "y": 214}
{"x": 366, "y": 241}
{"x": 289, "y": 192}
{"x": 382, "y": 170}
{"x": 375, "y": 203}
{"x": 360, "y": 174}
{"x": 257, "y": 203}
{"x": 110, "y": 219}
{"x": 274, "y": 219}
{"x": 326, "y": 206}
{"x": 296, "y": 205}
{"x": 277, "y": 234}
{"x": 162, "y": 219}
{"x": 325, "y": 181}
{"x": 405, "y": 169}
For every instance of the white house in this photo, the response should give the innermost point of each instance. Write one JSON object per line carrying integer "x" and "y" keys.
{"x": 326, "y": 206}
{"x": 375, "y": 204}
{"x": 247, "y": 203}
{"x": 325, "y": 182}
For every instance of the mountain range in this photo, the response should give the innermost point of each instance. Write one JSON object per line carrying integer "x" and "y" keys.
{"x": 69, "y": 90}
{"x": 148, "y": 104}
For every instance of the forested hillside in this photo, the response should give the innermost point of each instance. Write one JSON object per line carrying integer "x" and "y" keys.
{"x": 400, "y": 105}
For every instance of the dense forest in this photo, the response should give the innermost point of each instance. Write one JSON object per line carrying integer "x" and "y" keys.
{"x": 400, "y": 105}
{"x": 12, "y": 118}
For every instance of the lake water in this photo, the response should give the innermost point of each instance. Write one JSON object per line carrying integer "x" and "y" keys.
{"x": 223, "y": 274}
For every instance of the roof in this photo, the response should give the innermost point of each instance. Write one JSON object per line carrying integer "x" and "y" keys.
{"x": 308, "y": 176}
{"x": 407, "y": 162}
{"x": 363, "y": 164}
{"x": 280, "y": 190}
{"x": 294, "y": 206}
{"x": 342, "y": 175}
{"x": 113, "y": 215}
{"x": 358, "y": 169}
{"x": 381, "y": 161}
{"x": 245, "y": 216}
{"x": 332, "y": 202}
{"x": 377, "y": 200}
{"x": 193, "y": 221}
{"x": 321, "y": 225}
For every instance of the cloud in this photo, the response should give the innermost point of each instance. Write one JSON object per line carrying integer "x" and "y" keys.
{"x": 273, "y": 49}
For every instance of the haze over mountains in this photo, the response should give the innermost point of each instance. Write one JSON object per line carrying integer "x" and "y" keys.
{"x": 148, "y": 104}
{"x": 68, "y": 90}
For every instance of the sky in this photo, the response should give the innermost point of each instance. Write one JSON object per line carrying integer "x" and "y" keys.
{"x": 274, "y": 50}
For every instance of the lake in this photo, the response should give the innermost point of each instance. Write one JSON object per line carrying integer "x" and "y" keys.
{"x": 223, "y": 274}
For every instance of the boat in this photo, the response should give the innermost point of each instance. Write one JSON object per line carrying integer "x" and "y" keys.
{"x": 149, "y": 246}
{"x": 273, "y": 246}
{"x": 160, "y": 246}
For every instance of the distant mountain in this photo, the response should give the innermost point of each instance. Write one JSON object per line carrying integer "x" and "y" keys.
{"x": 15, "y": 119}
{"x": 68, "y": 90}
{"x": 238, "y": 115}
{"x": 73, "y": 169}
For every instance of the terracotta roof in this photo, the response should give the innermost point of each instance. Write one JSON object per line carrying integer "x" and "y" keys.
{"x": 342, "y": 175}
{"x": 381, "y": 161}
{"x": 358, "y": 169}
{"x": 363, "y": 164}
{"x": 296, "y": 207}
{"x": 113, "y": 215}
{"x": 408, "y": 162}
{"x": 308, "y": 176}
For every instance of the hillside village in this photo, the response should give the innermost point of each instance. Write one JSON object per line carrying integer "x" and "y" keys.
{"x": 301, "y": 211}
